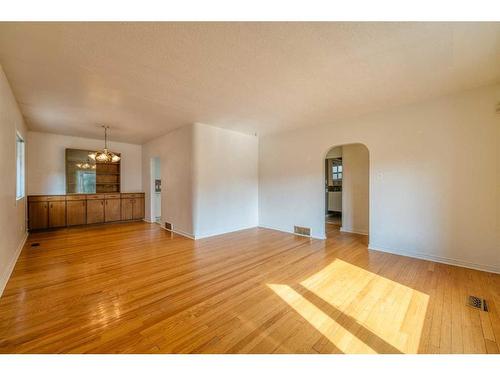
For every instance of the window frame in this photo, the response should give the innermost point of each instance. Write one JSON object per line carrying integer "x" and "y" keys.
{"x": 20, "y": 167}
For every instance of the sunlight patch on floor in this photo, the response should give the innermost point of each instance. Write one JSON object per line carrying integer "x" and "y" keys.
{"x": 359, "y": 311}
{"x": 318, "y": 319}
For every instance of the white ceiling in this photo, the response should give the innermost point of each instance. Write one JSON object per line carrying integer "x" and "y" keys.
{"x": 144, "y": 79}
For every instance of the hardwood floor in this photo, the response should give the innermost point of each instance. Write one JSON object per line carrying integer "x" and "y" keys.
{"x": 141, "y": 289}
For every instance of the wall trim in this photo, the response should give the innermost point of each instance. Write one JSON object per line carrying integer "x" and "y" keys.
{"x": 295, "y": 234}
{"x": 179, "y": 232}
{"x": 438, "y": 259}
{"x": 355, "y": 231}
{"x": 221, "y": 233}
{"x": 12, "y": 263}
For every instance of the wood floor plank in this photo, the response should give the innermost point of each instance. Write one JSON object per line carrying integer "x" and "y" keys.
{"x": 141, "y": 289}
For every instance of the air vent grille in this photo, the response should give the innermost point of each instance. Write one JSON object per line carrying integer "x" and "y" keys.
{"x": 34, "y": 244}
{"x": 477, "y": 303}
{"x": 303, "y": 231}
{"x": 168, "y": 226}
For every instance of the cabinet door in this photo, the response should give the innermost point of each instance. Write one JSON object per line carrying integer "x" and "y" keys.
{"x": 127, "y": 211}
{"x": 38, "y": 215}
{"x": 76, "y": 212}
{"x": 57, "y": 214}
{"x": 112, "y": 211}
{"x": 95, "y": 211}
{"x": 138, "y": 211}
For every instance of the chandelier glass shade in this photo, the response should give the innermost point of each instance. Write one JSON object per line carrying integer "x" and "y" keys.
{"x": 104, "y": 156}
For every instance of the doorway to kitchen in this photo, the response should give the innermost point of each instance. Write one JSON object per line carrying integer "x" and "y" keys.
{"x": 347, "y": 189}
{"x": 156, "y": 189}
{"x": 333, "y": 186}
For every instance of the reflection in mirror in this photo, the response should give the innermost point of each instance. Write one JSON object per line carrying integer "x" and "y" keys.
{"x": 80, "y": 172}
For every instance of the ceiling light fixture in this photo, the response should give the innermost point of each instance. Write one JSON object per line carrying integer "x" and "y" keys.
{"x": 104, "y": 156}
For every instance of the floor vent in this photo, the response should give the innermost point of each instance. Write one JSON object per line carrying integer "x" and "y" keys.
{"x": 303, "y": 231}
{"x": 168, "y": 226}
{"x": 34, "y": 244}
{"x": 477, "y": 303}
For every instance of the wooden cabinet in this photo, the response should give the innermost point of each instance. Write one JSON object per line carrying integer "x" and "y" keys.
{"x": 76, "y": 212}
{"x": 95, "y": 211}
{"x": 127, "y": 208}
{"x": 38, "y": 215}
{"x": 138, "y": 208}
{"x": 55, "y": 211}
{"x": 112, "y": 210}
{"x": 132, "y": 206}
{"x": 57, "y": 214}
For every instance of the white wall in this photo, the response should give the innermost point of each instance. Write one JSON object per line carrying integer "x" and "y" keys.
{"x": 209, "y": 180}
{"x": 12, "y": 211}
{"x": 175, "y": 151}
{"x": 225, "y": 180}
{"x": 46, "y": 162}
{"x": 355, "y": 188}
{"x": 434, "y": 177}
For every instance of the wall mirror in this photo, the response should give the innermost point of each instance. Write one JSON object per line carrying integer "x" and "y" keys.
{"x": 86, "y": 176}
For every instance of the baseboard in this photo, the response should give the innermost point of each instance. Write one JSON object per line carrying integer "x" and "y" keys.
{"x": 438, "y": 259}
{"x": 151, "y": 221}
{"x": 221, "y": 233}
{"x": 179, "y": 232}
{"x": 286, "y": 231}
{"x": 10, "y": 266}
{"x": 355, "y": 231}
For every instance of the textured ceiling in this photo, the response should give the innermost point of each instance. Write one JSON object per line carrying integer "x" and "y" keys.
{"x": 144, "y": 79}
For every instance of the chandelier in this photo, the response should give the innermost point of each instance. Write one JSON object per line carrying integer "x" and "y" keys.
{"x": 105, "y": 156}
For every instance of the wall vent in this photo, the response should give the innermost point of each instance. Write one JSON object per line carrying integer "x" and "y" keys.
{"x": 303, "y": 231}
{"x": 168, "y": 226}
{"x": 477, "y": 303}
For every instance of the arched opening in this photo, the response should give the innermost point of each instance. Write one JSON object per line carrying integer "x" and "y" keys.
{"x": 347, "y": 186}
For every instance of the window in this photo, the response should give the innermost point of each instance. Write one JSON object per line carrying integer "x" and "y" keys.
{"x": 19, "y": 167}
{"x": 337, "y": 172}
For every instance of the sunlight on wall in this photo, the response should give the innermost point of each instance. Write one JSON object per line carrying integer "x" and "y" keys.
{"x": 359, "y": 311}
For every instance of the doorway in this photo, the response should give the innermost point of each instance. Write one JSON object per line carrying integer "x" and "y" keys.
{"x": 347, "y": 189}
{"x": 333, "y": 186}
{"x": 156, "y": 186}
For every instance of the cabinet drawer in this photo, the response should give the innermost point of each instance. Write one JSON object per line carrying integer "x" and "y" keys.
{"x": 56, "y": 198}
{"x": 95, "y": 196}
{"x": 112, "y": 196}
{"x": 37, "y": 198}
{"x": 46, "y": 198}
{"x": 132, "y": 195}
{"x": 76, "y": 197}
